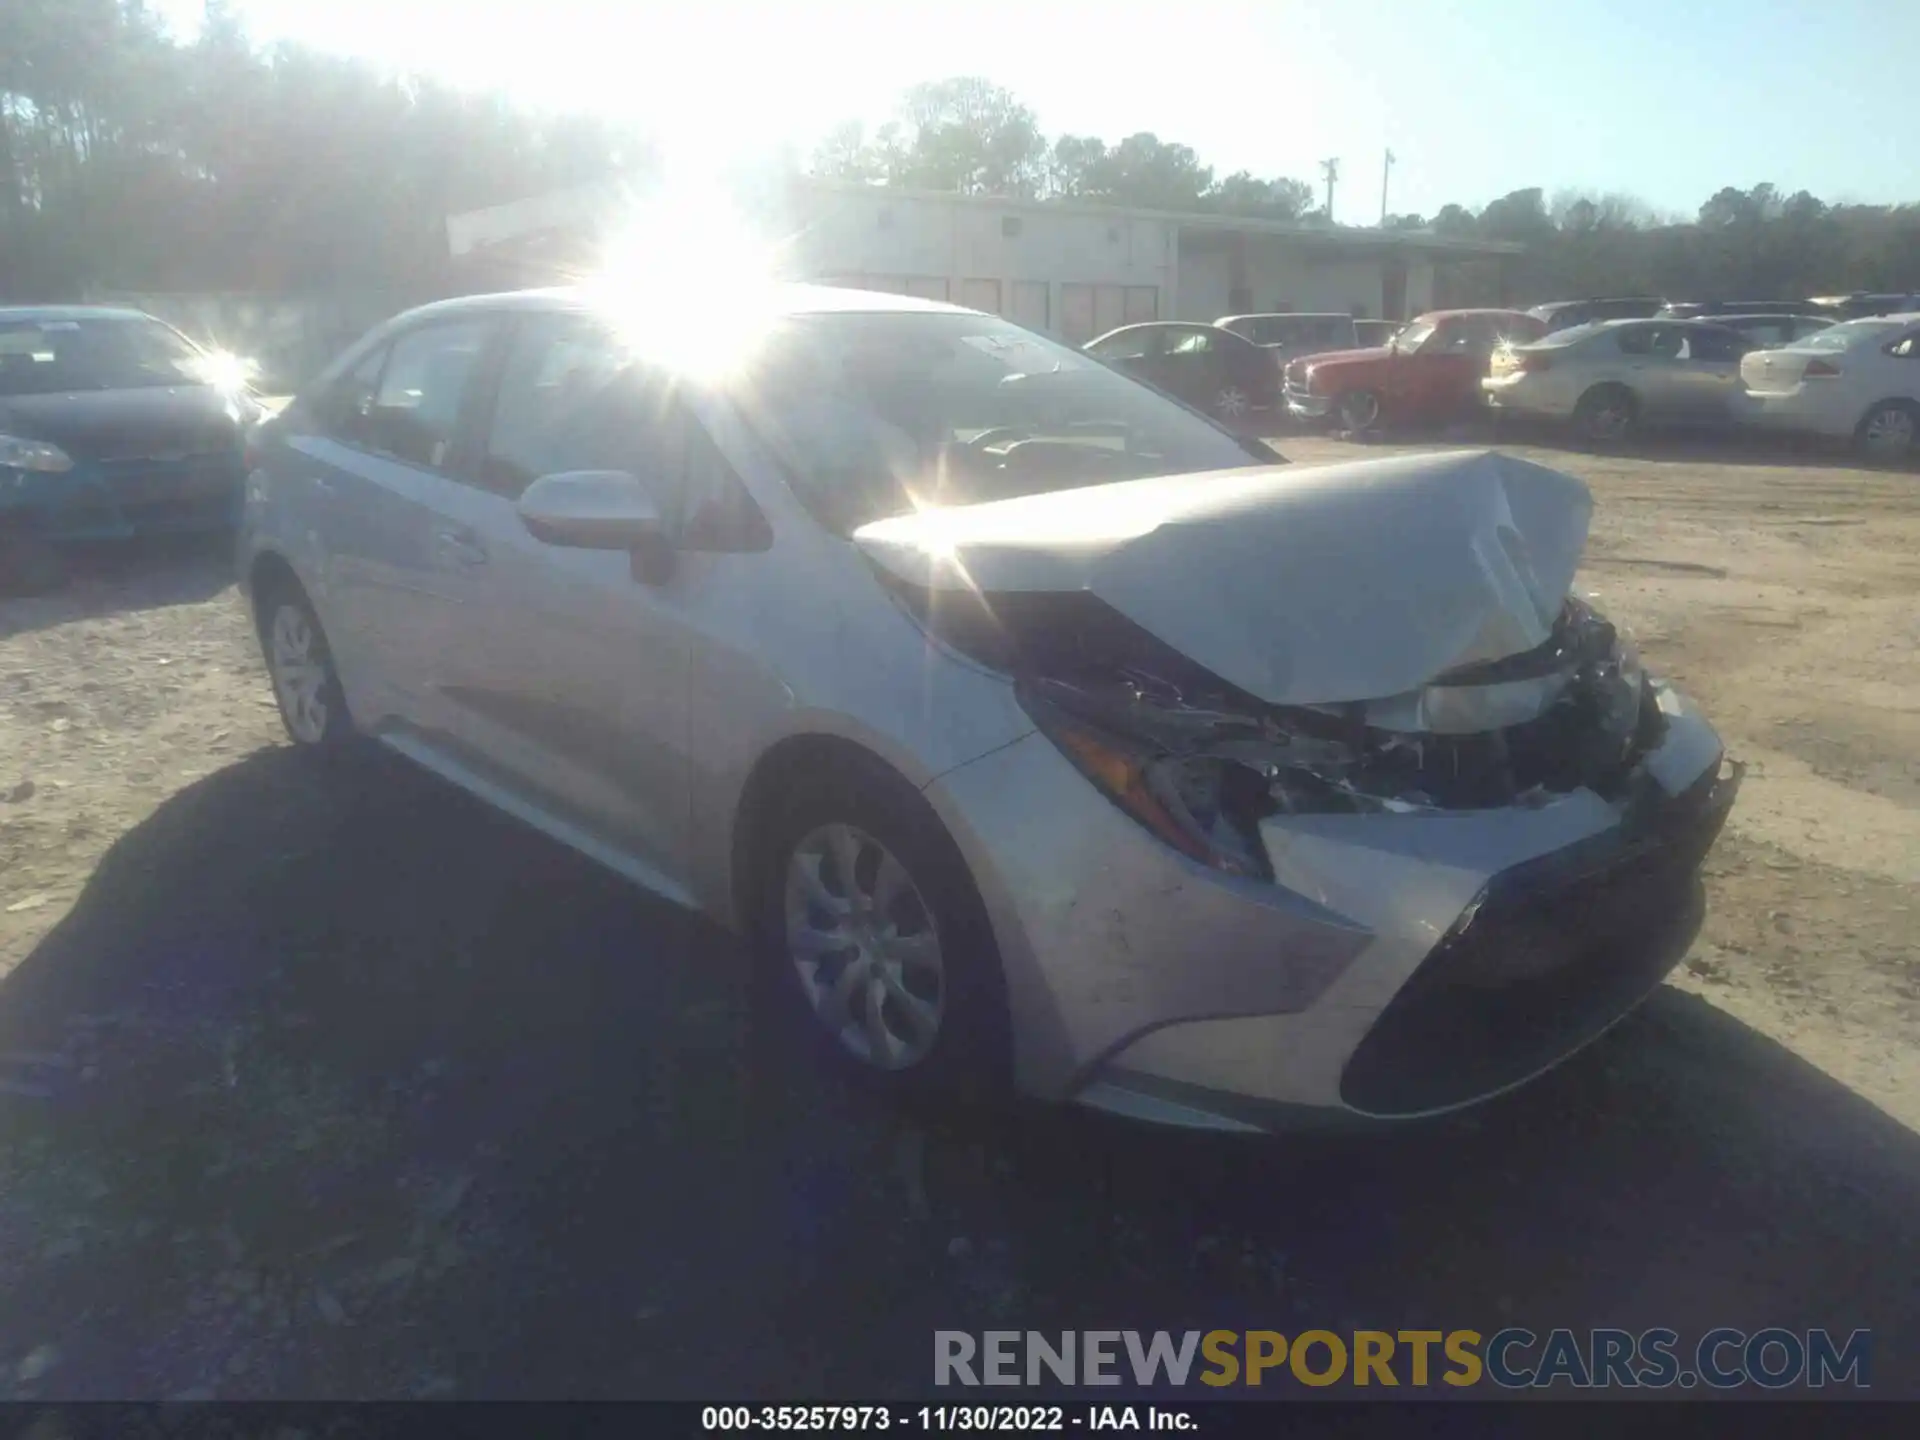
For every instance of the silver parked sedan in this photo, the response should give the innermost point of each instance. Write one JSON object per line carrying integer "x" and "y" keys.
{"x": 1614, "y": 377}
{"x": 1040, "y": 733}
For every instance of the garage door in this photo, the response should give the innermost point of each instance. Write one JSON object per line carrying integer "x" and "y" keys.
{"x": 1030, "y": 304}
{"x": 981, "y": 295}
{"x": 1076, "y": 313}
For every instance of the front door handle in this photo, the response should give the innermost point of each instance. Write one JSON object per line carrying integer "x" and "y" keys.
{"x": 459, "y": 548}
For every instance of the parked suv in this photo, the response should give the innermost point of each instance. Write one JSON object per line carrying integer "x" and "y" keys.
{"x": 1038, "y": 731}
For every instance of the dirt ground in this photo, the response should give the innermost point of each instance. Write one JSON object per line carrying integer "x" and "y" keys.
{"x": 346, "y": 1087}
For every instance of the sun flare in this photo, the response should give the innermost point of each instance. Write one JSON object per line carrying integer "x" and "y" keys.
{"x": 688, "y": 282}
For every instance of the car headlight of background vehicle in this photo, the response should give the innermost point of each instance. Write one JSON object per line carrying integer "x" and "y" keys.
{"x": 18, "y": 454}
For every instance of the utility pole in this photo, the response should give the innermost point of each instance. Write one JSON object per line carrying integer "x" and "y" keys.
{"x": 1385, "y": 171}
{"x": 1330, "y": 169}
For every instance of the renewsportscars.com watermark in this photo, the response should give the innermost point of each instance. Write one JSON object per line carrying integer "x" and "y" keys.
{"x": 1513, "y": 1358}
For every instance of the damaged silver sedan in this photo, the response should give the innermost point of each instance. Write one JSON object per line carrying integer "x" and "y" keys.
{"x": 1040, "y": 733}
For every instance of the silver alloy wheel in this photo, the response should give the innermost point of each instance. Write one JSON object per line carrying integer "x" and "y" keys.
{"x": 1231, "y": 403}
{"x": 1889, "y": 431}
{"x": 864, "y": 944}
{"x": 1360, "y": 410}
{"x": 299, "y": 673}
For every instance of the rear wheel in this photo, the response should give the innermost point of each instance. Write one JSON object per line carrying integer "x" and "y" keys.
{"x": 1890, "y": 430}
{"x": 877, "y": 941}
{"x": 306, "y": 686}
{"x": 1359, "y": 411}
{"x": 1230, "y": 402}
{"x": 1606, "y": 414}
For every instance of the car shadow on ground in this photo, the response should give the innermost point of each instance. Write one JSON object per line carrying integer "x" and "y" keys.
{"x": 334, "y": 1083}
{"x": 107, "y": 579}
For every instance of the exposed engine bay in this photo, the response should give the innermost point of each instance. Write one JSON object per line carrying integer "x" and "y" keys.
{"x": 1577, "y": 712}
{"x": 1203, "y": 762}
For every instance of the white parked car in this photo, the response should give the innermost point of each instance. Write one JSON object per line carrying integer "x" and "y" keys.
{"x": 1039, "y": 732}
{"x": 1859, "y": 380}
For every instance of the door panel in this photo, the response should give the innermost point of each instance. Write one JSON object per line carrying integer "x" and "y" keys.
{"x": 374, "y": 470}
{"x": 570, "y": 685}
{"x": 567, "y": 677}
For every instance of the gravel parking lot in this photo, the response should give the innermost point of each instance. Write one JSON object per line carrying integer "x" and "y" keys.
{"x": 355, "y": 1089}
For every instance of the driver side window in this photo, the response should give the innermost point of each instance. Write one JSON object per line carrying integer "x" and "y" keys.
{"x": 572, "y": 397}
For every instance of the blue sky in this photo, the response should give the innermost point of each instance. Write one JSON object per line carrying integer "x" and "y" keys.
{"x": 1664, "y": 99}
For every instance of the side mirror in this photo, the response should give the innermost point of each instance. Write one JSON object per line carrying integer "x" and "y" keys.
{"x": 600, "y": 510}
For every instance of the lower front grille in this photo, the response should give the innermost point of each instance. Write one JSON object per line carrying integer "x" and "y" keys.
{"x": 1550, "y": 955}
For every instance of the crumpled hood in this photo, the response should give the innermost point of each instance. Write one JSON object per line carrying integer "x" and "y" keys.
{"x": 1298, "y": 585}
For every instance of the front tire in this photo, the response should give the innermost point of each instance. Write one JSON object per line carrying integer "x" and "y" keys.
{"x": 1359, "y": 412}
{"x": 306, "y": 686}
{"x": 1889, "y": 431}
{"x": 876, "y": 941}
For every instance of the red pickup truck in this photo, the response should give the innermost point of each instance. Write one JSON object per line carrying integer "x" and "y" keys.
{"x": 1430, "y": 371}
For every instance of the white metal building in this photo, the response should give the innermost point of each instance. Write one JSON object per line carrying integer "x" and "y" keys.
{"x": 1074, "y": 270}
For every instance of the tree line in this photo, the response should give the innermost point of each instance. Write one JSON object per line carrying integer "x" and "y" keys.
{"x": 130, "y": 159}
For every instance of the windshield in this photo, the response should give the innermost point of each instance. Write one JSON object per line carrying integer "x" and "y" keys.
{"x": 878, "y": 413}
{"x": 1414, "y": 336}
{"x": 46, "y": 357}
{"x": 1845, "y": 337}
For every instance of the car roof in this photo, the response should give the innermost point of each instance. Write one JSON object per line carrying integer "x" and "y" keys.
{"x": 1600, "y": 300}
{"x": 795, "y": 299}
{"x": 1438, "y": 315}
{"x": 30, "y": 313}
{"x": 1286, "y": 315}
{"x": 1691, "y": 322}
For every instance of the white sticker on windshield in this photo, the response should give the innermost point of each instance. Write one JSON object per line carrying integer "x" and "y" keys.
{"x": 1021, "y": 355}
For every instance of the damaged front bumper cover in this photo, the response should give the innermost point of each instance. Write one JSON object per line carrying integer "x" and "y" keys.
{"x": 1399, "y": 961}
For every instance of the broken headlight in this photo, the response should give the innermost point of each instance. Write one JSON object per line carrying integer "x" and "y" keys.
{"x": 1205, "y": 806}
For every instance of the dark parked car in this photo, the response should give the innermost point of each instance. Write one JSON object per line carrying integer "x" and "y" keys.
{"x": 1295, "y": 333}
{"x": 1214, "y": 370}
{"x": 1699, "y": 309}
{"x": 1565, "y": 314}
{"x": 112, "y": 425}
{"x": 1770, "y": 332}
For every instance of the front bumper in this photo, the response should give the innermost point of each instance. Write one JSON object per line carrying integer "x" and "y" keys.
{"x": 1305, "y": 405}
{"x": 1402, "y": 965}
{"x": 122, "y": 500}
